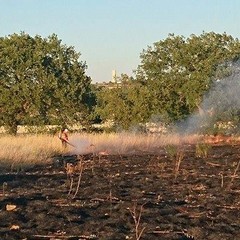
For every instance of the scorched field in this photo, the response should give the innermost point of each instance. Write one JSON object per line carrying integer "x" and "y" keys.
{"x": 189, "y": 191}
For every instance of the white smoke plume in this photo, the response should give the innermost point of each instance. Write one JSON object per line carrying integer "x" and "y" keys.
{"x": 220, "y": 103}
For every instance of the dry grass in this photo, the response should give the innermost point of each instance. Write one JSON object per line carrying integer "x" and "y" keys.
{"x": 126, "y": 143}
{"x": 35, "y": 149}
{"x": 23, "y": 150}
{"x": 202, "y": 150}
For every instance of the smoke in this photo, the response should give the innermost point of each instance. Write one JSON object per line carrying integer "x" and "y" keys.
{"x": 81, "y": 146}
{"x": 125, "y": 143}
{"x": 220, "y": 103}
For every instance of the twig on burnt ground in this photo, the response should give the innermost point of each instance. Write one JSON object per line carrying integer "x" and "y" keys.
{"x": 136, "y": 215}
{"x": 234, "y": 175}
{"x": 183, "y": 233}
{"x": 176, "y": 155}
{"x": 4, "y": 188}
{"x": 71, "y": 171}
{"x": 80, "y": 170}
{"x": 222, "y": 179}
{"x": 110, "y": 197}
{"x": 179, "y": 158}
{"x": 57, "y": 237}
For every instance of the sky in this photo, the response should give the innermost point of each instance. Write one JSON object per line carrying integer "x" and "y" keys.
{"x": 111, "y": 34}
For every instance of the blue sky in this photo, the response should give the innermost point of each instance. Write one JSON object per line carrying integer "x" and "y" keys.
{"x": 111, "y": 34}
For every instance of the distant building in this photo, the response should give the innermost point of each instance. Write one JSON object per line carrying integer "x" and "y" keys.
{"x": 108, "y": 85}
{"x": 114, "y": 76}
{"x": 114, "y": 83}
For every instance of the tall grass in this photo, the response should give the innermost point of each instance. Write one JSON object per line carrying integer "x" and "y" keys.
{"x": 126, "y": 143}
{"x": 24, "y": 150}
{"x": 35, "y": 149}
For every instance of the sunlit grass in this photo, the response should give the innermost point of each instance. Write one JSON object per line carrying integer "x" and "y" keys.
{"x": 27, "y": 150}
{"x": 127, "y": 143}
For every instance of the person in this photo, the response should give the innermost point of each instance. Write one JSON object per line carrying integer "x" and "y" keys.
{"x": 63, "y": 136}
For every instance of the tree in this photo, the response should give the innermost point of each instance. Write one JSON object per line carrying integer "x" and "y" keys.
{"x": 126, "y": 104}
{"x": 42, "y": 81}
{"x": 178, "y": 71}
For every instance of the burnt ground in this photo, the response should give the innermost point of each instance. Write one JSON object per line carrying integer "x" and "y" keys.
{"x": 200, "y": 200}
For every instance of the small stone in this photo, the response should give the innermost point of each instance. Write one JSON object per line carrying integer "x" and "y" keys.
{"x": 10, "y": 207}
{"x": 14, "y": 227}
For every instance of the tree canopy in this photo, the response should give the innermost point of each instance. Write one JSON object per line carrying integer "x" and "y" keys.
{"x": 180, "y": 70}
{"x": 172, "y": 78}
{"x": 126, "y": 105}
{"x": 42, "y": 81}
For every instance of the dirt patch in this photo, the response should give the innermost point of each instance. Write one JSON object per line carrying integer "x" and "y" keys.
{"x": 195, "y": 198}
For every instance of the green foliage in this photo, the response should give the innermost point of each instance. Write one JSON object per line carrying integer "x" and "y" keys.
{"x": 171, "y": 80}
{"x": 178, "y": 71}
{"x": 42, "y": 129}
{"x": 171, "y": 151}
{"x": 42, "y": 82}
{"x": 126, "y": 105}
{"x": 202, "y": 150}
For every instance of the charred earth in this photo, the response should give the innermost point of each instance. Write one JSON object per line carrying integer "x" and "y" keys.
{"x": 178, "y": 196}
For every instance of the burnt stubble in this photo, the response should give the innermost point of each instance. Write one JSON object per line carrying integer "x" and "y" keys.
{"x": 201, "y": 201}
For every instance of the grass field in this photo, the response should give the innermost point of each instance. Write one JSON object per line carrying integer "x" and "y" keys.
{"x": 34, "y": 149}
{"x": 176, "y": 187}
{"x": 27, "y": 149}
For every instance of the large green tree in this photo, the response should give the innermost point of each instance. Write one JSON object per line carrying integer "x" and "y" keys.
{"x": 126, "y": 105}
{"x": 178, "y": 71}
{"x": 171, "y": 80}
{"x": 42, "y": 81}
